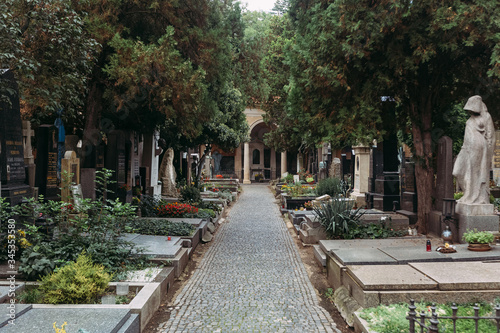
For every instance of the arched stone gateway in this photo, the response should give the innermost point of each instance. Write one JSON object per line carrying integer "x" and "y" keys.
{"x": 259, "y": 161}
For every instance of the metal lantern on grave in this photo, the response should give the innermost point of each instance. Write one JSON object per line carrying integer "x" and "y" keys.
{"x": 448, "y": 213}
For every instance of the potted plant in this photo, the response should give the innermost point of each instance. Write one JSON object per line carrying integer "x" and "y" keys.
{"x": 259, "y": 177}
{"x": 310, "y": 180}
{"x": 478, "y": 240}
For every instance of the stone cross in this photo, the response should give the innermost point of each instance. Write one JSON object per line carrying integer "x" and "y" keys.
{"x": 70, "y": 165}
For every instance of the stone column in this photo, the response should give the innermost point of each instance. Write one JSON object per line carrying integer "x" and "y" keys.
{"x": 284, "y": 167}
{"x": 238, "y": 164}
{"x": 273, "y": 163}
{"x": 300, "y": 162}
{"x": 361, "y": 174}
{"x": 246, "y": 163}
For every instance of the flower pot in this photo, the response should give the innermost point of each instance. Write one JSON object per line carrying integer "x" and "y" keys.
{"x": 479, "y": 247}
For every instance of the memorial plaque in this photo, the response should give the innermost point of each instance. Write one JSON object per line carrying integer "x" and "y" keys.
{"x": 52, "y": 170}
{"x": 409, "y": 177}
{"x": 121, "y": 175}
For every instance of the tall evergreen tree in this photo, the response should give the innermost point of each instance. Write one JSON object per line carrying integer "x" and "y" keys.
{"x": 424, "y": 55}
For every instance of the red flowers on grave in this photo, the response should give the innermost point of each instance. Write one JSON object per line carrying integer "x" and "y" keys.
{"x": 219, "y": 176}
{"x": 175, "y": 209}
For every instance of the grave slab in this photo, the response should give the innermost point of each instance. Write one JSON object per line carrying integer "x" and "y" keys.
{"x": 327, "y": 245}
{"x": 363, "y": 256}
{"x": 92, "y": 320}
{"x": 463, "y": 254}
{"x": 408, "y": 254}
{"x": 462, "y": 275}
{"x": 132, "y": 325}
{"x": 5, "y": 290}
{"x": 384, "y": 277}
{"x": 157, "y": 246}
{"x": 5, "y": 310}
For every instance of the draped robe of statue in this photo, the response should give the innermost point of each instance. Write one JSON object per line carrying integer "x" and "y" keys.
{"x": 473, "y": 163}
{"x": 168, "y": 175}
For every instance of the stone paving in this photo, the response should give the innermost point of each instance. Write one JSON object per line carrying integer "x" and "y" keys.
{"x": 251, "y": 279}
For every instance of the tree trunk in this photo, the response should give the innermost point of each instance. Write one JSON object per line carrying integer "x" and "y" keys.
{"x": 421, "y": 115}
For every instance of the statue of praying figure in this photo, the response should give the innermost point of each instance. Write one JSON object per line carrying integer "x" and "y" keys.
{"x": 473, "y": 164}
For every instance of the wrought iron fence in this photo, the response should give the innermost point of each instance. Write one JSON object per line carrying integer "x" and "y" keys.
{"x": 432, "y": 327}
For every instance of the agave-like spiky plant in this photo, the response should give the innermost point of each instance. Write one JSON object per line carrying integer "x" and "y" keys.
{"x": 337, "y": 216}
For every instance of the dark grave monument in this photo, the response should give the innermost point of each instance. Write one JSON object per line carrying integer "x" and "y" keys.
{"x": 46, "y": 179}
{"x": 384, "y": 179}
{"x": 13, "y": 174}
{"x": 116, "y": 160}
{"x": 408, "y": 200}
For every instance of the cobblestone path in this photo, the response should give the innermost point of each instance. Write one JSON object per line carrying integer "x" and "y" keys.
{"x": 251, "y": 279}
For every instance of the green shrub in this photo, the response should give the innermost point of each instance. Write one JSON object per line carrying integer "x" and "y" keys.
{"x": 330, "y": 186}
{"x": 79, "y": 282}
{"x": 30, "y": 295}
{"x": 202, "y": 214}
{"x": 37, "y": 261}
{"x": 148, "y": 205}
{"x": 190, "y": 194}
{"x": 288, "y": 179}
{"x": 161, "y": 227}
{"x": 482, "y": 237}
{"x": 226, "y": 195}
{"x": 209, "y": 205}
{"x": 373, "y": 231}
{"x": 337, "y": 217}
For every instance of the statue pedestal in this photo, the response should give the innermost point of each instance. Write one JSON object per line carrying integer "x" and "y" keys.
{"x": 474, "y": 209}
{"x": 359, "y": 198}
{"x": 481, "y": 217}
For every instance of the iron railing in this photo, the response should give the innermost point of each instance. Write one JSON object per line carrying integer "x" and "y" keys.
{"x": 420, "y": 320}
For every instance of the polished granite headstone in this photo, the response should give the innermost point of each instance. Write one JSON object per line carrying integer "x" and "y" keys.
{"x": 13, "y": 173}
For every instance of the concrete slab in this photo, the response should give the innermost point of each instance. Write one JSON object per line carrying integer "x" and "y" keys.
{"x": 463, "y": 254}
{"x": 363, "y": 256}
{"x": 319, "y": 255}
{"x": 132, "y": 325}
{"x": 159, "y": 246}
{"x": 6, "y": 309}
{"x": 91, "y": 320}
{"x": 328, "y": 245}
{"x": 387, "y": 277}
{"x": 462, "y": 275}
{"x": 408, "y": 254}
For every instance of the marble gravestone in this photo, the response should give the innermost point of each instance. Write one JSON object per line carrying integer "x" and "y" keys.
{"x": 472, "y": 170}
{"x": 13, "y": 174}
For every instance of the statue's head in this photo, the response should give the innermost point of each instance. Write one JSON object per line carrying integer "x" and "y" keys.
{"x": 475, "y": 104}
